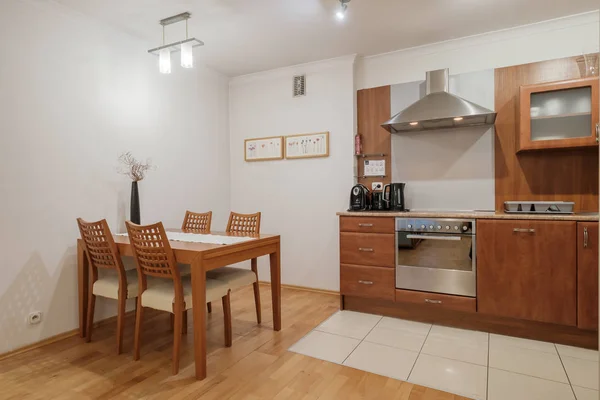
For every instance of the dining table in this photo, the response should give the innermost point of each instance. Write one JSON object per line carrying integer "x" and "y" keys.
{"x": 202, "y": 257}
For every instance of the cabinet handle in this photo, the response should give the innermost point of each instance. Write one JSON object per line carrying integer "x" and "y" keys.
{"x": 365, "y": 282}
{"x": 364, "y": 249}
{"x": 365, "y": 225}
{"x": 433, "y": 301}
{"x": 585, "y": 237}
{"x": 597, "y": 133}
{"x": 523, "y": 230}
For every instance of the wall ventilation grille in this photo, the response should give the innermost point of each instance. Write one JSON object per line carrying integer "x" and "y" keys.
{"x": 300, "y": 85}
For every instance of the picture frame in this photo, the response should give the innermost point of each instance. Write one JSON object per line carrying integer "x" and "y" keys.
{"x": 308, "y": 145}
{"x": 263, "y": 149}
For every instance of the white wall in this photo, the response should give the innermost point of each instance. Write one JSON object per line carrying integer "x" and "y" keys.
{"x": 73, "y": 96}
{"x": 446, "y": 169}
{"x": 298, "y": 198}
{"x": 565, "y": 37}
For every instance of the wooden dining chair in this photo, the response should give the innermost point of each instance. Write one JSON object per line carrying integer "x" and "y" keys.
{"x": 197, "y": 221}
{"x": 117, "y": 283}
{"x": 239, "y": 277}
{"x": 155, "y": 258}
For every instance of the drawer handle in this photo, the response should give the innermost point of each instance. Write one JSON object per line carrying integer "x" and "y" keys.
{"x": 365, "y": 282}
{"x": 364, "y": 249}
{"x": 433, "y": 301}
{"x": 585, "y": 237}
{"x": 523, "y": 230}
{"x": 365, "y": 225}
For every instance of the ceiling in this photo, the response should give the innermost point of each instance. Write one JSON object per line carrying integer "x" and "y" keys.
{"x": 245, "y": 36}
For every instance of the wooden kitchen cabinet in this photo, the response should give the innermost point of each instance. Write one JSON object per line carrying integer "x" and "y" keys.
{"x": 558, "y": 115}
{"x": 587, "y": 275}
{"x": 527, "y": 270}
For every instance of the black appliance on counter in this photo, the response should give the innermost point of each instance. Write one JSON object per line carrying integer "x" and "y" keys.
{"x": 393, "y": 195}
{"x": 360, "y": 198}
{"x": 378, "y": 202}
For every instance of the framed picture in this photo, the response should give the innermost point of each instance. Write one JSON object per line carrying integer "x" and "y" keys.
{"x": 263, "y": 149}
{"x": 309, "y": 145}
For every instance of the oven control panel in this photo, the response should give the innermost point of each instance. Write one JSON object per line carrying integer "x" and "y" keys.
{"x": 439, "y": 225}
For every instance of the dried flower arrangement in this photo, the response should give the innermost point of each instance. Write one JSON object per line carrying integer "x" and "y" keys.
{"x": 132, "y": 168}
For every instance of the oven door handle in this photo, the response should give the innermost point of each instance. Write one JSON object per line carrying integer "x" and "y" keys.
{"x": 450, "y": 238}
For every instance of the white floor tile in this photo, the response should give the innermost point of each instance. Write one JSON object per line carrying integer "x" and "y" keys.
{"x": 452, "y": 376}
{"x": 522, "y": 343}
{"x": 577, "y": 352}
{"x": 457, "y": 344}
{"x": 418, "y": 328}
{"x": 350, "y": 324}
{"x": 585, "y": 394}
{"x": 582, "y": 373}
{"x": 525, "y": 360}
{"x": 382, "y": 360}
{"x": 503, "y": 385}
{"x": 325, "y": 346}
{"x": 399, "y": 339}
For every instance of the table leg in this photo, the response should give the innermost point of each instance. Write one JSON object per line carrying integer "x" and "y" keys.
{"x": 275, "y": 261}
{"x": 82, "y": 284}
{"x": 199, "y": 310}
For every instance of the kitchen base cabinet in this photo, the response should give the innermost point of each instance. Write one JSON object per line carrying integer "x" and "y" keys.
{"x": 587, "y": 275}
{"x": 527, "y": 270}
{"x": 436, "y": 300}
{"x": 374, "y": 282}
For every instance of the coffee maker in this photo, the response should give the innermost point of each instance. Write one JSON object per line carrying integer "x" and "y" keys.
{"x": 360, "y": 198}
{"x": 393, "y": 195}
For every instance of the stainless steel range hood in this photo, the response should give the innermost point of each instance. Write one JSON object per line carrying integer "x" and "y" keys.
{"x": 439, "y": 109}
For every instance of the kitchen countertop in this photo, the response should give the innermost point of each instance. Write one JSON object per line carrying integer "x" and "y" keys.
{"x": 583, "y": 216}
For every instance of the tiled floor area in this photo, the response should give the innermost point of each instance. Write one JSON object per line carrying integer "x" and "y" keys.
{"x": 472, "y": 364}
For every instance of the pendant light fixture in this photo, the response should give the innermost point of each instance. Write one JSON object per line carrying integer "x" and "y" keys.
{"x": 341, "y": 13}
{"x": 184, "y": 46}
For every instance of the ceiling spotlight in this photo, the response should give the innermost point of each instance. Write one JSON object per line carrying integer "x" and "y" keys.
{"x": 414, "y": 123}
{"x": 458, "y": 118}
{"x": 341, "y": 13}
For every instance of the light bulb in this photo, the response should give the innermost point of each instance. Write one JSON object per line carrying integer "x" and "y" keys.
{"x": 414, "y": 124}
{"x": 458, "y": 118}
{"x": 187, "y": 55}
{"x": 340, "y": 15}
{"x": 164, "y": 61}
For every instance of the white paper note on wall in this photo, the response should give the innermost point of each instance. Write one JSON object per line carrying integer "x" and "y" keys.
{"x": 374, "y": 167}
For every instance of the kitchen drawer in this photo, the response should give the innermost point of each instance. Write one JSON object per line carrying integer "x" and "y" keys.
{"x": 437, "y": 300}
{"x": 373, "y": 282}
{"x": 368, "y": 224}
{"x": 375, "y": 249}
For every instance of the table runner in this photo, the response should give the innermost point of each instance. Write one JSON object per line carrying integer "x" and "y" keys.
{"x": 203, "y": 238}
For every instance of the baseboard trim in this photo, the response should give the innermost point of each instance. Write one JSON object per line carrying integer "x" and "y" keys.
{"x": 58, "y": 338}
{"x": 304, "y": 288}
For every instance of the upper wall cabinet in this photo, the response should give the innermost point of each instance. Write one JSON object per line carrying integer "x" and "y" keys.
{"x": 558, "y": 115}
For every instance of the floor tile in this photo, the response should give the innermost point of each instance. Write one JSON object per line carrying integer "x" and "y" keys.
{"x": 325, "y": 346}
{"x": 457, "y": 344}
{"x": 585, "y": 394}
{"x": 452, "y": 376}
{"x": 398, "y": 338}
{"x": 504, "y": 385}
{"x": 577, "y": 352}
{"x": 382, "y": 360}
{"x": 522, "y": 343}
{"x": 349, "y": 324}
{"x": 418, "y": 328}
{"x": 582, "y": 373}
{"x": 504, "y": 355}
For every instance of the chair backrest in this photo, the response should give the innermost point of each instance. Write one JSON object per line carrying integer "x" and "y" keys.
{"x": 197, "y": 221}
{"x": 151, "y": 250}
{"x": 100, "y": 248}
{"x": 244, "y": 223}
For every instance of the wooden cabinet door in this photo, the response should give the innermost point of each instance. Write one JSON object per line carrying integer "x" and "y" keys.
{"x": 587, "y": 275}
{"x": 527, "y": 270}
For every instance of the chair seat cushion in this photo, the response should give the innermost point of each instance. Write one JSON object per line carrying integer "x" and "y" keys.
{"x": 107, "y": 284}
{"x": 162, "y": 296}
{"x": 234, "y": 277}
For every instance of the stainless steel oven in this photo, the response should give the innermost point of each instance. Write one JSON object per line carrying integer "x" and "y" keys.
{"x": 436, "y": 255}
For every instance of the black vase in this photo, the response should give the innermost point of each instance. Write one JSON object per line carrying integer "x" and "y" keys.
{"x": 134, "y": 212}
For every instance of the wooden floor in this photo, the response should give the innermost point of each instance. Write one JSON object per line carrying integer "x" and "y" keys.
{"x": 258, "y": 366}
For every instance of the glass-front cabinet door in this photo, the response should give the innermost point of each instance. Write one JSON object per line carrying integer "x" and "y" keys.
{"x": 559, "y": 115}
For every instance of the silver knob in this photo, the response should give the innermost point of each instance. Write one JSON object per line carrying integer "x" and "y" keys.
{"x": 409, "y": 226}
{"x": 456, "y": 228}
{"x": 447, "y": 227}
{"x": 465, "y": 228}
{"x": 439, "y": 227}
{"x": 422, "y": 226}
{"x": 430, "y": 226}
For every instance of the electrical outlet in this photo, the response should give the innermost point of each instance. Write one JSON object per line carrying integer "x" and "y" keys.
{"x": 377, "y": 186}
{"x": 34, "y": 318}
